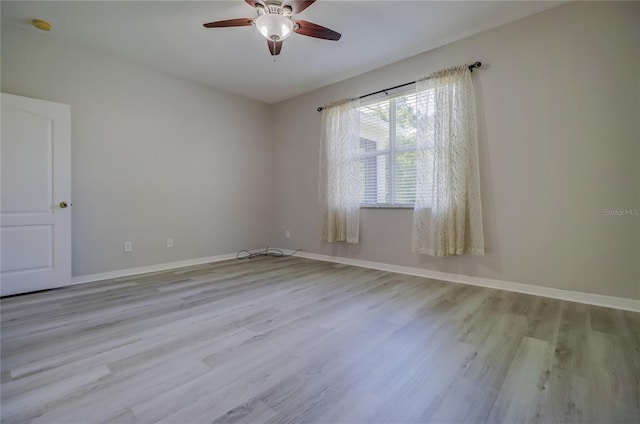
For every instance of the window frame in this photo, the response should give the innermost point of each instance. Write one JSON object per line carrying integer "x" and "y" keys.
{"x": 392, "y": 151}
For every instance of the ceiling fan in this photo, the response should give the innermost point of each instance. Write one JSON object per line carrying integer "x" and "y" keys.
{"x": 275, "y": 24}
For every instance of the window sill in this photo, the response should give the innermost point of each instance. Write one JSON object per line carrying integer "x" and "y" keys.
{"x": 384, "y": 206}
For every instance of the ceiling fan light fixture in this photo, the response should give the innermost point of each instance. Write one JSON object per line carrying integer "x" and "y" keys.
{"x": 274, "y": 27}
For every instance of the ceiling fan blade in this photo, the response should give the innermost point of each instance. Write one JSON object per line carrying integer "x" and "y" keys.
{"x": 299, "y": 5}
{"x": 274, "y": 47}
{"x": 230, "y": 23}
{"x": 314, "y": 30}
{"x": 253, "y": 3}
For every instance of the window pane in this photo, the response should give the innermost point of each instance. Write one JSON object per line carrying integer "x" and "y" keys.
{"x": 374, "y": 127}
{"x": 387, "y": 150}
{"x": 406, "y": 177}
{"x": 375, "y": 175}
{"x": 406, "y": 121}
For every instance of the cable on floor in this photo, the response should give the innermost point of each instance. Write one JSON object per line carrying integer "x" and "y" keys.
{"x": 269, "y": 251}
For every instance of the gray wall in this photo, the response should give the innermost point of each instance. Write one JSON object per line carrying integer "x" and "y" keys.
{"x": 559, "y": 127}
{"x": 153, "y": 156}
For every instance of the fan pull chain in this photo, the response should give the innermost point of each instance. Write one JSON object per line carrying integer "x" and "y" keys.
{"x": 274, "y": 49}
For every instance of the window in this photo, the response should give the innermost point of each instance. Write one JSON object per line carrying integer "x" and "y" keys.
{"x": 388, "y": 152}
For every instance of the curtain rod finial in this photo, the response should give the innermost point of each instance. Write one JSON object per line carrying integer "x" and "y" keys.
{"x": 320, "y": 109}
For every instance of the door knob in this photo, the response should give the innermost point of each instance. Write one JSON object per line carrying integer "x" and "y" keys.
{"x": 63, "y": 205}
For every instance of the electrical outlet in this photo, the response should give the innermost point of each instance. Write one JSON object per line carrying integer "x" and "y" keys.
{"x": 128, "y": 246}
{"x": 287, "y": 233}
{"x": 169, "y": 242}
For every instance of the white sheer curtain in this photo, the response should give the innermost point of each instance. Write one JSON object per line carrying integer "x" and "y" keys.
{"x": 340, "y": 172}
{"x": 447, "y": 216}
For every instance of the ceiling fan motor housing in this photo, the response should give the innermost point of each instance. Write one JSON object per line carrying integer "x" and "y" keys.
{"x": 275, "y": 7}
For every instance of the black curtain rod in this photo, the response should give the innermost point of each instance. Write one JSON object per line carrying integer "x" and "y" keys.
{"x": 471, "y": 68}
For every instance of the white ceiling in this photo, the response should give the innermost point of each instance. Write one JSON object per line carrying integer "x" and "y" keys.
{"x": 168, "y": 35}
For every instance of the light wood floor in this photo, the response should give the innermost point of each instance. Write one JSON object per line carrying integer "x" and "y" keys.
{"x": 291, "y": 340}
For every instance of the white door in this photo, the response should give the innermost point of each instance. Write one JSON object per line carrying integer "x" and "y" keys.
{"x": 35, "y": 217}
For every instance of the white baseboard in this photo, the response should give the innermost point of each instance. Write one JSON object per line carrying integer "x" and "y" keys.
{"x": 572, "y": 296}
{"x": 151, "y": 268}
